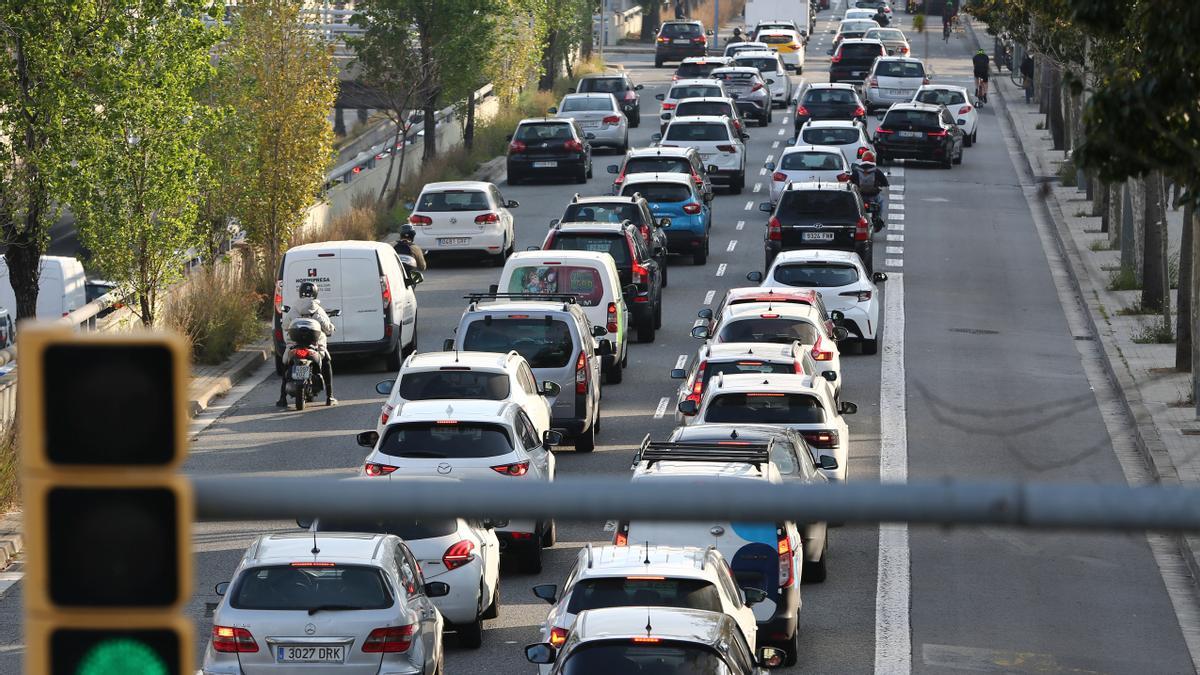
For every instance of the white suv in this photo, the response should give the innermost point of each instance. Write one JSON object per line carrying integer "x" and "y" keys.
{"x": 717, "y": 140}
{"x": 778, "y": 323}
{"x": 490, "y": 376}
{"x": 466, "y": 216}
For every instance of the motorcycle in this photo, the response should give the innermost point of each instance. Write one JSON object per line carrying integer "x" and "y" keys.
{"x": 302, "y": 378}
{"x": 875, "y": 211}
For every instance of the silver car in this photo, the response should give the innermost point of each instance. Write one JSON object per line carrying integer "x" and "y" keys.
{"x": 892, "y": 38}
{"x": 598, "y": 114}
{"x": 771, "y": 67}
{"x": 748, "y": 89}
{"x": 357, "y": 602}
{"x": 893, "y": 79}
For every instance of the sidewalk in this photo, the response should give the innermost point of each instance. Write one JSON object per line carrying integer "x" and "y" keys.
{"x": 1155, "y": 395}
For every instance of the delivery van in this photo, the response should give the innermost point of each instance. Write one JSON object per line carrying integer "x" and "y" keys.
{"x": 61, "y": 287}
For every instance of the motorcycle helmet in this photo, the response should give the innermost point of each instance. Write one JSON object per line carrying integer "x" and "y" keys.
{"x": 305, "y": 332}
{"x": 308, "y": 290}
{"x": 867, "y": 158}
{"x": 407, "y": 232}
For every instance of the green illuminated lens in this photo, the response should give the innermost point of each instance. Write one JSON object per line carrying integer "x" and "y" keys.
{"x": 121, "y": 656}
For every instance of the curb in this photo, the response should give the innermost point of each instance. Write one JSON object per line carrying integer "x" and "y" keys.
{"x": 245, "y": 362}
{"x": 11, "y": 544}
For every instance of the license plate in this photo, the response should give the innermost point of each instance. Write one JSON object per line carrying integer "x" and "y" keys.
{"x": 706, "y": 156}
{"x": 818, "y": 236}
{"x": 589, "y": 125}
{"x": 911, "y": 134}
{"x": 856, "y": 73}
{"x": 453, "y": 241}
{"x": 310, "y": 654}
{"x": 544, "y": 165}
{"x": 683, "y": 41}
{"x": 301, "y": 373}
{"x": 897, "y": 92}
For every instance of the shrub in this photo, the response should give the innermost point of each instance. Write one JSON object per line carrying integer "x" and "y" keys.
{"x": 217, "y": 313}
{"x": 362, "y": 222}
{"x": 1157, "y": 332}
{"x": 1123, "y": 279}
{"x": 1066, "y": 174}
{"x": 10, "y": 484}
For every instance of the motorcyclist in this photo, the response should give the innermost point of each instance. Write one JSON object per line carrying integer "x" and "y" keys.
{"x": 309, "y": 307}
{"x": 736, "y": 37}
{"x": 407, "y": 246}
{"x": 871, "y": 182}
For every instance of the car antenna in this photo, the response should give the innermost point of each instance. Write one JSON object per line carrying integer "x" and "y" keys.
{"x": 646, "y": 561}
{"x": 316, "y": 550}
{"x": 649, "y": 628}
{"x": 456, "y": 356}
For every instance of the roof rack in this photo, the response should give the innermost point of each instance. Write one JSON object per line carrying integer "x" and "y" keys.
{"x": 565, "y": 298}
{"x": 755, "y": 454}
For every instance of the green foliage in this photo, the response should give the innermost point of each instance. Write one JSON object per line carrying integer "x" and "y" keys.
{"x": 1157, "y": 332}
{"x": 217, "y": 313}
{"x": 1067, "y": 176}
{"x": 1124, "y": 279}
{"x": 515, "y": 58}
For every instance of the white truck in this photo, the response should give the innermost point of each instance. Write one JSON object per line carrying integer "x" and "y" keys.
{"x": 760, "y": 11}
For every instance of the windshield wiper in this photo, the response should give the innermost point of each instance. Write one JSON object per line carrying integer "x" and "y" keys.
{"x": 332, "y": 608}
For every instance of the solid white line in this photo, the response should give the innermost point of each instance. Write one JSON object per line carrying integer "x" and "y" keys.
{"x": 894, "y": 250}
{"x": 661, "y": 409}
{"x": 893, "y": 262}
{"x": 758, "y": 186}
{"x": 895, "y": 237}
{"x": 749, "y": 205}
{"x": 895, "y": 216}
{"x": 732, "y": 245}
{"x": 681, "y": 361}
{"x": 708, "y": 297}
{"x": 774, "y": 144}
{"x": 893, "y": 639}
{"x": 740, "y": 224}
{"x": 721, "y": 269}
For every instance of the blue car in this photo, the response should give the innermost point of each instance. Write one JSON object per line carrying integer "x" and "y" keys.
{"x": 676, "y": 196}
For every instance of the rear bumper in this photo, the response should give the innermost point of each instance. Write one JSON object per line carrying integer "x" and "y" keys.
{"x": 754, "y": 108}
{"x": 680, "y": 52}
{"x": 383, "y": 346}
{"x": 484, "y": 242}
{"x": 775, "y": 631}
{"x": 918, "y": 151}
{"x": 685, "y": 241}
{"x": 526, "y": 166}
{"x": 608, "y": 136}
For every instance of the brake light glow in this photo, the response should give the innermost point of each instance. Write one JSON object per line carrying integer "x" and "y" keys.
{"x": 573, "y": 146}
{"x": 231, "y": 640}
{"x": 312, "y": 563}
{"x": 630, "y": 96}
{"x": 801, "y": 110}
{"x": 843, "y": 178}
{"x": 768, "y": 316}
{"x": 698, "y": 385}
{"x": 668, "y": 106}
{"x": 645, "y": 230}
{"x": 862, "y": 150}
{"x": 415, "y": 219}
{"x": 581, "y": 374}
{"x": 756, "y": 87}
{"x": 862, "y": 230}
{"x": 881, "y": 130}
{"x": 765, "y": 395}
{"x": 691, "y": 208}
{"x": 903, "y": 49}
{"x": 621, "y": 539}
{"x": 785, "y": 560}
{"x": 779, "y": 176}
{"x": 938, "y": 134}
{"x": 836, "y": 57}
{"x": 301, "y": 353}
{"x": 516, "y": 147}
{"x": 612, "y": 318}
{"x": 874, "y": 82}
{"x": 819, "y": 354}
{"x": 279, "y": 303}
{"x": 386, "y": 414}
{"x": 647, "y": 640}
{"x": 925, "y": 81}
{"x": 611, "y": 119}
{"x": 774, "y": 229}
{"x": 458, "y": 555}
{"x": 372, "y": 469}
{"x": 797, "y": 367}
{"x": 514, "y": 469}
{"x": 825, "y": 440}
{"x": 860, "y": 111}
{"x": 965, "y": 109}
{"x": 487, "y": 218}
{"x": 641, "y": 275}
{"x": 726, "y": 148}
{"x": 663, "y": 39}
{"x": 558, "y": 636}
{"x": 389, "y": 640}
{"x": 385, "y": 290}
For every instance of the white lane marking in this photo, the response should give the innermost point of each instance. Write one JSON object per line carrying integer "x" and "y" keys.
{"x": 893, "y": 262}
{"x": 740, "y": 224}
{"x": 895, "y": 216}
{"x": 896, "y": 188}
{"x": 898, "y": 172}
{"x": 782, "y": 132}
{"x": 893, "y": 640}
{"x": 898, "y": 206}
{"x": 708, "y": 297}
{"x": 898, "y": 197}
{"x": 894, "y": 250}
{"x": 898, "y": 227}
{"x": 661, "y": 409}
{"x": 758, "y": 186}
{"x": 762, "y": 171}
{"x": 681, "y": 361}
{"x": 774, "y": 144}
{"x": 770, "y": 158}
{"x": 785, "y": 119}
{"x": 895, "y": 237}
{"x": 721, "y": 269}
{"x": 732, "y": 245}
{"x": 749, "y": 205}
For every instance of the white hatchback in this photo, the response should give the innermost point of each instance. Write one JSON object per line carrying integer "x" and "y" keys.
{"x": 807, "y": 164}
{"x": 772, "y": 68}
{"x": 464, "y": 216}
{"x": 849, "y": 137}
{"x": 693, "y": 88}
{"x": 719, "y": 143}
{"x": 958, "y": 102}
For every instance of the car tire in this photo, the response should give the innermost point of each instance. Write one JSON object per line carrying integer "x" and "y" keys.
{"x": 947, "y": 163}
{"x": 586, "y": 441}
{"x": 394, "y": 358}
{"x": 968, "y": 140}
{"x": 513, "y": 179}
{"x": 470, "y": 635}
{"x": 645, "y": 330}
{"x": 658, "y": 314}
{"x": 664, "y": 272}
{"x": 792, "y": 648}
{"x": 815, "y": 571}
{"x": 615, "y": 374}
{"x": 959, "y": 157}
{"x": 582, "y": 177}
{"x": 531, "y": 559}
{"x": 658, "y": 63}
{"x": 493, "y": 610}
{"x": 765, "y": 120}
{"x": 550, "y": 536}
{"x": 869, "y": 346}
{"x": 701, "y": 257}
{"x": 409, "y": 350}
{"x": 636, "y": 120}
{"x": 589, "y": 166}
{"x": 975, "y": 136}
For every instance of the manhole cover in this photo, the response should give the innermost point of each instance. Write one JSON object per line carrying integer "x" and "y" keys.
{"x": 975, "y": 331}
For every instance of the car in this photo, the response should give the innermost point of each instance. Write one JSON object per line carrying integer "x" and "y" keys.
{"x": 559, "y": 343}
{"x": 818, "y": 216}
{"x": 799, "y": 402}
{"x": 658, "y": 576}
{"x": 718, "y": 141}
{"x": 856, "y": 13}
{"x": 463, "y": 554}
{"x": 699, "y": 67}
{"x": 641, "y": 269}
{"x": 673, "y": 160}
{"x": 474, "y": 440}
{"x": 789, "y": 44}
{"x": 491, "y": 376}
{"x": 807, "y": 164}
{"x": 749, "y": 91}
{"x": 919, "y": 131}
{"x": 710, "y": 106}
{"x": 736, "y": 358}
{"x": 464, "y": 216}
{"x": 548, "y": 146}
{"x": 654, "y": 640}
{"x": 616, "y": 209}
{"x": 598, "y": 115}
{"x": 678, "y": 40}
{"x": 777, "y": 24}
{"x": 893, "y": 79}
{"x": 694, "y": 88}
{"x": 677, "y": 198}
{"x": 848, "y": 136}
{"x": 892, "y": 38}
{"x": 830, "y": 102}
{"x": 734, "y": 48}
{"x": 852, "y": 58}
{"x": 851, "y": 30}
{"x": 844, "y": 284}
{"x": 620, "y": 86}
{"x": 378, "y": 616}
{"x": 958, "y": 102}
{"x": 755, "y": 294}
{"x": 774, "y": 73}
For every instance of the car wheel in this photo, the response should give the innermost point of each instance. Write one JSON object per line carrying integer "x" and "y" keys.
{"x": 410, "y": 349}
{"x": 615, "y": 374}
{"x": 550, "y": 536}
{"x": 493, "y": 610}
{"x": 583, "y": 175}
{"x": 764, "y": 120}
{"x": 470, "y": 635}
{"x": 393, "y": 359}
{"x": 968, "y": 140}
{"x": 701, "y": 257}
{"x": 658, "y": 63}
{"x": 664, "y": 273}
{"x": 658, "y": 314}
{"x": 589, "y": 167}
{"x": 586, "y": 441}
{"x": 513, "y": 179}
{"x": 800, "y": 70}
{"x": 645, "y": 330}
{"x": 815, "y": 572}
{"x": 531, "y": 561}
{"x": 975, "y": 136}
{"x": 636, "y": 120}
{"x": 792, "y": 648}
{"x": 869, "y": 346}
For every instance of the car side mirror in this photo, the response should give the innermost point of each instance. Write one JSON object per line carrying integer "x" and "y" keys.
{"x": 554, "y": 222}
{"x": 605, "y": 348}
{"x": 754, "y": 276}
{"x": 368, "y": 439}
{"x": 770, "y": 657}
{"x": 712, "y": 168}
{"x": 599, "y": 331}
{"x": 512, "y": 204}
{"x": 547, "y": 592}
{"x": 665, "y": 116}
{"x": 688, "y": 408}
{"x": 660, "y": 97}
{"x": 700, "y": 332}
{"x": 705, "y": 313}
{"x": 614, "y": 169}
{"x": 638, "y": 87}
{"x": 879, "y": 277}
{"x": 828, "y": 463}
{"x": 765, "y": 207}
{"x": 221, "y": 588}
{"x": 840, "y": 333}
{"x": 790, "y": 142}
{"x": 848, "y": 408}
{"x": 304, "y": 523}
{"x": 494, "y": 288}
{"x": 542, "y": 653}
{"x": 770, "y": 81}
{"x": 550, "y": 389}
{"x": 664, "y": 222}
{"x": 656, "y": 137}
{"x": 448, "y": 345}
{"x": 836, "y": 315}
{"x": 437, "y": 589}
{"x": 551, "y": 438}
{"x": 745, "y": 136}
{"x": 385, "y": 387}
{"x": 753, "y": 595}
{"x": 678, "y": 374}
{"x": 829, "y": 375}
{"x": 492, "y": 523}
{"x": 553, "y": 110}
{"x": 769, "y": 166}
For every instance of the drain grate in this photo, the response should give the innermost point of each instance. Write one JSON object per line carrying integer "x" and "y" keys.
{"x": 1190, "y": 432}
{"x": 1085, "y": 338}
{"x": 975, "y": 331}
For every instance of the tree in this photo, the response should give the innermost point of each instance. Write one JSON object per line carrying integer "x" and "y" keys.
{"x": 223, "y": 143}
{"x": 135, "y": 192}
{"x": 516, "y": 49}
{"x": 565, "y": 30}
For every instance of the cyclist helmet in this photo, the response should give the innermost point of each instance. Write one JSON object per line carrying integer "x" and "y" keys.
{"x": 308, "y": 290}
{"x": 407, "y": 232}
{"x": 867, "y": 158}
{"x": 737, "y": 32}
{"x": 981, "y": 52}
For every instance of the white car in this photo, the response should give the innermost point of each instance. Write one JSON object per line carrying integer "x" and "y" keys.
{"x": 849, "y": 137}
{"x": 773, "y": 24}
{"x": 464, "y": 216}
{"x": 958, "y": 102}
{"x": 719, "y": 143}
{"x": 647, "y": 575}
{"x": 598, "y": 114}
{"x": 482, "y": 440}
{"x": 789, "y": 44}
{"x": 694, "y": 88}
{"x": 489, "y": 376}
{"x": 844, "y": 284}
{"x": 694, "y": 67}
{"x": 734, "y": 48}
{"x": 858, "y": 13}
{"x": 807, "y": 164}
{"x": 771, "y": 66}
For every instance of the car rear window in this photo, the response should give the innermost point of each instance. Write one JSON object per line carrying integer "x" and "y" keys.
{"x": 660, "y": 192}
{"x": 828, "y": 203}
{"x": 613, "y": 244}
{"x": 697, "y": 131}
{"x": 445, "y": 439}
{"x": 775, "y": 39}
{"x": 860, "y": 51}
{"x": 745, "y": 367}
{"x": 768, "y": 330}
{"x": 587, "y": 103}
{"x": 582, "y": 282}
{"x": 544, "y": 344}
{"x": 641, "y": 591}
{"x": 453, "y": 200}
{"x": 544, "y": 131}
{"x": 859, "y": 25}
{"x": 843, "y": 96}
{"x": 736, "y": 78}
{"x": 406, "y": 529}
{"x": 680, "y": 30}
{"x": 605, "y": 213}
{"x": 884, "y": 34}
{"x": 661, "y": 164}
{"x": 697, "y": 70}
{"x": 812, "y": 161}
{"x": 765, "y": 408}
{"x": 815, "y": 274}
{"x": 605, "y": 657}
{"x": 448, "y": 383}
{"x": 921, "y": 120}
{"x": 694, "y": 91}
{"x": 308, "y": 586}
{"x": 699, "y": 108}
{"x": 608, "y": 85}
{"x": 829, "y": 136}
{"x": 762, "y": 63}
{"x": 899, "y": 69}
{"x": 940, "y": 97}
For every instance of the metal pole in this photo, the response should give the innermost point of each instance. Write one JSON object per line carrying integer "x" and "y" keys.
{"x": 717, "y": 26}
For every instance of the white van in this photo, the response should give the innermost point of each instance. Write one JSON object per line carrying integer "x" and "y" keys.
{"x": 61, "y": 287}
{"x": 367, "y": 282}
{"x": 590, "y": 276}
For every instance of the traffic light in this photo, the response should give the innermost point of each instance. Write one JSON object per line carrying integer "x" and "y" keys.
{"x": 103, "y": 424}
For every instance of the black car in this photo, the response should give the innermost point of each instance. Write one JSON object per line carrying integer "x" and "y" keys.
{"x": 919, "y": 131}
{"x": 638, "y": 266}
{"x": 677, "y": 40}
{"x": 830, "y": 102}
{"x": 549, "y": 146}
{"x": 853, "y": 58}
{"x": 615, "y": 209}
{"x": 619, "y": 86}
{"x": 818, "y": 215}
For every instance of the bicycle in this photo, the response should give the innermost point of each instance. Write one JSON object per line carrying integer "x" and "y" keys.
{"x": 946, "y": 30}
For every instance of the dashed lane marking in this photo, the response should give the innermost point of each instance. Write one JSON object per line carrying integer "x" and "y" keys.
{"x": 785, "y": 120}
{"x": 740, "y": 224}
{"x": 896, "y": 227}
{"x": 762, "y": 171}
{"x": 708, "y": 297}
{"x": 661, "y": 409}
{"x": 895, "y": 237}
{"x": 774, "y": 144}
{"x": 895, "y": 216}
{"x": 749, "y": 205}
{"x": 896, "y": 207}
{"x": 732, "y": 245}
{"x": 770, "y": 158}
{"x": 894, "y": 250}
{"x": 893, "y": 262}
{"x": 898, "y": 197}
{"x": 721, "y": 269}
{"x": 896, "y": 188}
{"x": 758, "y": 186}
{"x": 782, "y": 131}
{"x": 681, "y": 361}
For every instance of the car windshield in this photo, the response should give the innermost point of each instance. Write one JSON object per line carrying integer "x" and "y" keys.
{"x": 762, "y": 63}
{"x": 681, "y": 30}
{"x": 450, "y": 382}
{"x": 610, "y": 85}
{"x": 644, "y": 591}
{"x": 406, "y": 529}
{"x": 828, "y": 203}
{"x": 716, "y": 108}
{"x": 899, "y": 69}
{"x": 454, "y": 200}
{"x": 778, "y": 39}
{"x": 660, "y": 192}
{"x": 446, "y": 438}
{"x": 860, "y": 52}
{"x": 626, "y": 657}
{"x": 544, "y": 344}
{"x": 303, "y": 586}
{"x": 545, "y": 131}
{"x": 768, "y": 330}
{"x": 830, "y": 96}
{"x": 606, "y": 213}
{"x": 582, "y": 282}
{"x": 765, "y": 408}
{"x": 812, "y": 161}
{"x": 829, "y": 136}
{"x": 697, "y": 131}
{"x": 613, "y": 244}
{"x": 940, "y": 97}
{"x": 744, "y": 367}
{"x": 921, "y": 120}
{"x": 587, "y": 103}
{"x": 815, "y": 274}
{"x": 694, "y": 91}
{"x": 697, "y": 69}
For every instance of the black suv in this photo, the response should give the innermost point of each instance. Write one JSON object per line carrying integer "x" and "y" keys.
{"x": 549, "y": 146}
{"x": 919, "y": 131}
{"x": 615, "y": 209}
{"x": 638, "y": 265}
{"x": 818, "y": 215}
{"x": 853, "y": 58}
{"x": 830, "y": 102}
{"x": 619, "y": 86}
{"x": 677, "y": 40}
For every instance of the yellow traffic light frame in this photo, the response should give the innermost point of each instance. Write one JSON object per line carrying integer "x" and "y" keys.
{"x": 39, "y": 631}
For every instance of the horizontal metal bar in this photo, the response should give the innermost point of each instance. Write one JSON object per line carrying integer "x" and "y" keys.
{"x": 1032, "y": 505}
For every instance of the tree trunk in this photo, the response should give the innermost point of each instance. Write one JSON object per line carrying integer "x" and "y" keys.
{"x": 549, "y": 62}
{"x": 391, "y": 160}
{"x": 24, "y": 259}
{"x": 1183, "y": 323}
{"x": 1194, "y": 293}
{"x": 1137, "y": 207}
{"x": 1155, "y": 260}
{"x": 402, "y": 130}
{"x": 1058, "y": 131}
{"x": 429, "y": 110}
{"x": 650, "y": 19}
{"x": 469, "y": 128}
{"x": 1115, "y": 191}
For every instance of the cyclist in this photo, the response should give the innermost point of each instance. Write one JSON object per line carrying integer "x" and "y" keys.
{"x": 948, "y": 13}
{"x": 982, "y": 67}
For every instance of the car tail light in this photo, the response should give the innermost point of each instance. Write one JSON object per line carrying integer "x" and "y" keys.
{"x": 862, "y": 150}
{"x": 779, "y": 176}
{"x": 516, "y": 147}
{"x": 611, "y": 119}
{"x": 621, "y": 537}
{"x": 641, "y": 275}
{"x": 668, "y": 106}
{"x": 279, "y": 335}
{"x": 819, "y": 354}
{"x": 514, "y": 469}
{"x": 860, "y": 111}
{"x": 279, "y": 304}
{"x": 663, "y": 39}
{"x": 372, "y": 469}
{"x": 487, "y": 218}
{"x": 230, "y": 640}
{"x": 700, "y": 40}
{"x": 835, "y": 58}
{"x": 695, "y": 179}
{"x": 612, "y": 318}
{"x": 645, "y": 230}
{"x": 630, "y": 96}
{"x": 903, "y": 50}
{"x": 774, "y": 229}
{"x": 726, "y": 148}
{"x": 558, "y": 636}
{"x": 619, "y": 179}
{"x": 843, "y": 178}
{"x": 385, "y": 290}
{"x": 965, "y": 109}
{"x": 420, "y": 220}
{"x": 301, "y": 353}
{"x": 581, "y": 374}
{"x": 825, "y": 439}
{"x": 785, "y": 560}
{"x": 861, "y": 296}
{"x": 691, "y": 208}
{"x": 938, "y": 134}
{"x": 698, "y": 385}
{"x": 458, "y": 555}
{"x": 675, "y": 77}
{"x": 386, "y": 413}
{"x": 874, "y": 82}
{"x": 925, "y": 81}
{"x": 881, "y": 130}
{"x": 797, "y": 367}
{"x": 390, "y": 639}
{"x": 573, "y": 146}
{"x": 801, "y": 110}
{"x": 756, "y": 87}
{"x": 862, "y": 230}
{"x": 548, "y": 244}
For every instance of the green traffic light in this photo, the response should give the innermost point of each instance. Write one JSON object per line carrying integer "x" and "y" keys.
{"x": 121, "y": 656}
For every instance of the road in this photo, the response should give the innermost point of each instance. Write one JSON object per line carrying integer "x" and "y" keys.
{"x": 982, "y": 365}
